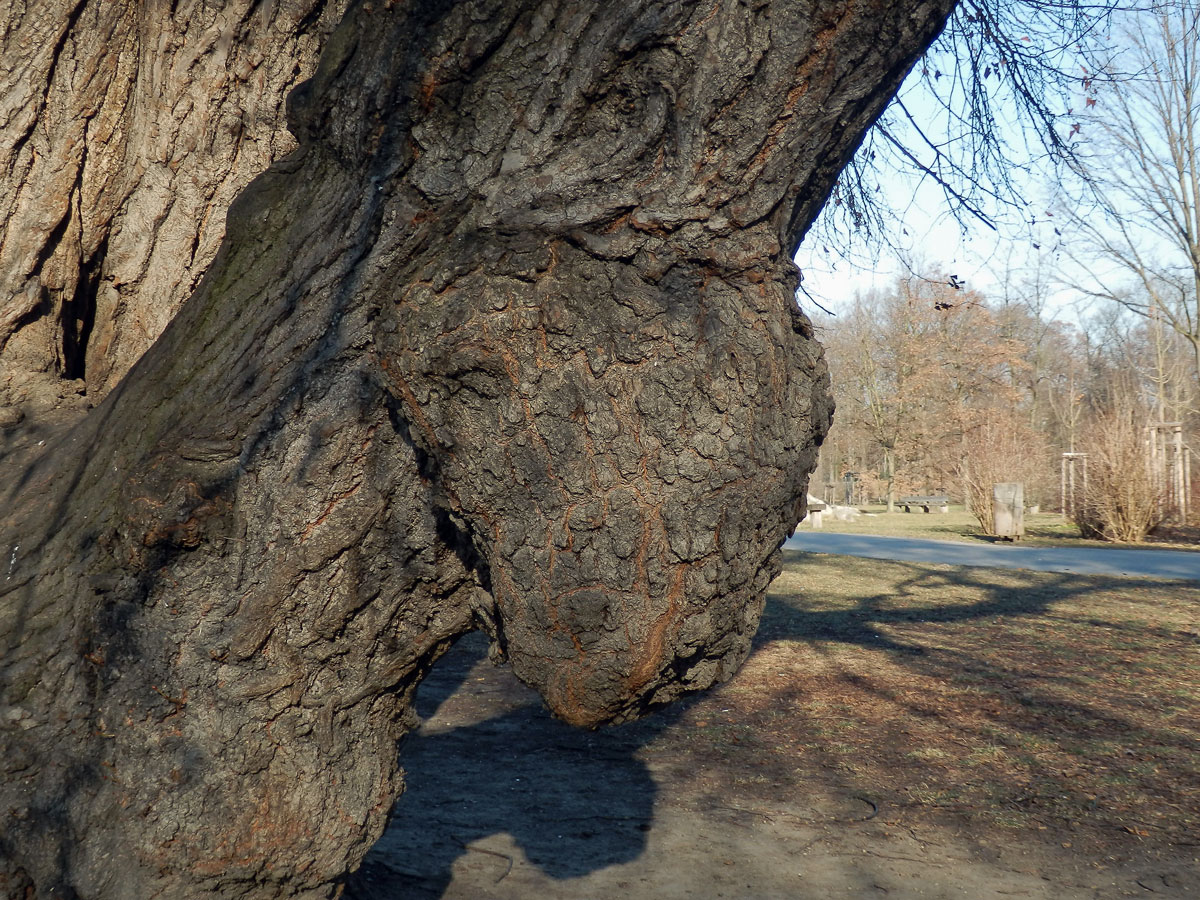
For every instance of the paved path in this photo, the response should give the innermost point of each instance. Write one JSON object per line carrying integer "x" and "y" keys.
{"x": 1175, "y": 565}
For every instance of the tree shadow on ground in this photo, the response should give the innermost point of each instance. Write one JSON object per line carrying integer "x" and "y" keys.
{"x": 1014, "y": 679}
{"x": 573, "y": 801}
{"x": 1025, "y": 595}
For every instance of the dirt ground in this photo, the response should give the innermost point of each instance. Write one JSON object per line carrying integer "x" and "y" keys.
{"x": 505, "y": 802}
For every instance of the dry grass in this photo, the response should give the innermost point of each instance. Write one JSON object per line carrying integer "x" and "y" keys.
{"x": 1058, "y": 705}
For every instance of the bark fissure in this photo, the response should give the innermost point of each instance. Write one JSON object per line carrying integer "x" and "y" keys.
{"x": 79, "y": 315}
{"x": 56, "y": 54}
{"x": 105, "y": 88}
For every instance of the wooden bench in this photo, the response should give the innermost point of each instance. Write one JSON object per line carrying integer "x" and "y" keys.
{"x": 943, "y": 503}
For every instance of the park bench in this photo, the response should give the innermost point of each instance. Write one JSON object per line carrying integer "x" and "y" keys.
{"x": 942, "y": 503}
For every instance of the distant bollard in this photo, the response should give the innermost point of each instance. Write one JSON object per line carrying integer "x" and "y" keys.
{"x": 1008, "y": 510}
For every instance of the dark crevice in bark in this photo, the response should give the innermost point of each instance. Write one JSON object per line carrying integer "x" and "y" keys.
{"x": 312, "y": 19}
{"x": 426, "y": 463}
{"x": 451, "y": 529}
{"x": 456, "y": 535}
{"x": 79, "y": 314}
{"x": 191, "y": 258}
{"x": 56, "y": 56}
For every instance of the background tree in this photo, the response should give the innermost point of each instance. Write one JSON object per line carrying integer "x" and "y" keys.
{"x": 872, "y": 407}
{"x": 917, "y": 372}
{"x": 1143, "y": 171}
{"x": 1121, "y": 500}
{"x": 1002, "y": 447}
{"x": 977, "y": 391}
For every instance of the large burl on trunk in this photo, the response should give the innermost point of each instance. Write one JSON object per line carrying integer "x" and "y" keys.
{"x": 508, "y": 342}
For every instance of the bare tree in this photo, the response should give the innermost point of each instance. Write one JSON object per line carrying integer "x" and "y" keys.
{"x": 1001, "y": 447}
{"x": 1122, "y": 501}
{"x": 919, "y": 372}
{"x": 1143, "y": 174}
{"x": 991, "y": 105}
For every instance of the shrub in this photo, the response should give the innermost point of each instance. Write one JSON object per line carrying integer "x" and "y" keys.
{"x": 1002, "y": 449}
{"x": 1120, "y": 501}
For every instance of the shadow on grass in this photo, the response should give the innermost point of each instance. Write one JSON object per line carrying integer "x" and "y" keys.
{"x": 1022, "y": 594}
{"x": 1073, "y": 703}
{"x": 572, "y": 801}
{"x": 494, "y": 781}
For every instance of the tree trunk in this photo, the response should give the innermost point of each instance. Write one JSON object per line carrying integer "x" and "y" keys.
{"x": 510, "y": 342}
{"x": 128, "y": 128}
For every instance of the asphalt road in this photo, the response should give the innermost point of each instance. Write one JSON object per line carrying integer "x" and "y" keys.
{"x": 1176, "y": 565}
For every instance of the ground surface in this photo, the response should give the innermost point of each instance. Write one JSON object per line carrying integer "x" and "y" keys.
{"x": 917, "y": 731}
{"x": 1043, "y": 529}
{"x": 1121, "y": 560}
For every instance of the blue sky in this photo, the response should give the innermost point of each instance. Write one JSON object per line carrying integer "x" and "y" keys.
{"x": 931, "y": 238}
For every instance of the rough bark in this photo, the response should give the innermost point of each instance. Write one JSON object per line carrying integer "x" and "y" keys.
{"x": 509, "y": 342}
{"x": 126, "y": 129}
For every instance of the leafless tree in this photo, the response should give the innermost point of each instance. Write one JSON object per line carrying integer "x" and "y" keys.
{"x": 1143, "y": 177}
{"x": 1122, "y": 501}
{"x": 991, "y": 105}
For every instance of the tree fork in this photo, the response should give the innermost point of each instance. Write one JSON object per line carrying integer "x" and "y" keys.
{"x": 509, "y": 342}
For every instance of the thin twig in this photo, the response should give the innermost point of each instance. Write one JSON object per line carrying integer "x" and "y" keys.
{"x": 495, "y": 853}
{"x": 874, "y": 808}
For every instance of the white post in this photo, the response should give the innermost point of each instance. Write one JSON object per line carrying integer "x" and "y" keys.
{"x": 1187, "y": 483}
{"x": 1180, "y": 496}
{"x": 1062, "y": 487}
